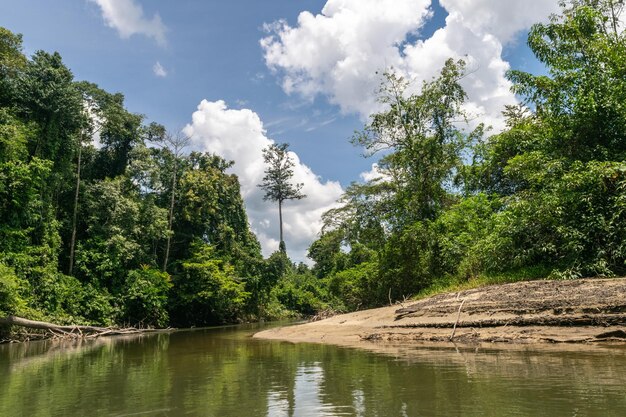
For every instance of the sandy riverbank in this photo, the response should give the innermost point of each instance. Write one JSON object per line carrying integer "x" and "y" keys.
{"x": 578, "y": 311}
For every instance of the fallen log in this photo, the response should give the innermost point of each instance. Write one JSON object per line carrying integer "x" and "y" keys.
{"x": 42, "y": 325}
{"x": 75, "y": 331}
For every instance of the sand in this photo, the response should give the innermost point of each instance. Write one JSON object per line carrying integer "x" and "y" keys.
{"x": 578, "y": 311}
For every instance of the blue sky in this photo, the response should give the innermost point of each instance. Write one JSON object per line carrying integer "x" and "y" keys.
{"x": 212, "y": 53}
{"x": 310, "y": 82}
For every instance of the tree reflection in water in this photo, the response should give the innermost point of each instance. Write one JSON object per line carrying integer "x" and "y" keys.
{"x": 224, "y": 372}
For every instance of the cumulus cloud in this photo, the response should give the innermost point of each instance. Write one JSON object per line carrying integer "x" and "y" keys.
{"x": 127, "y": 17}
{"x": 337, "y": 53}
{"x": 477, "y": 31}
{"x": 502, "y": 19}
{"x": 239, "y": 135}
{"x": 158, "y": 70}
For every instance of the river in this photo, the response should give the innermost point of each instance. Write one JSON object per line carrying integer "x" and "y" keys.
{"x": 223, "y": 372}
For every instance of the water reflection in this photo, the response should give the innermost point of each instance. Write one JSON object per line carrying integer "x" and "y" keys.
{"x": 223, "y": 372}
{"x": 305, "y": 398}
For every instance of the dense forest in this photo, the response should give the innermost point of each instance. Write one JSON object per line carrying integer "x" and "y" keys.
{"x": 106, "y": 219}
{"x": 545, "y": 198}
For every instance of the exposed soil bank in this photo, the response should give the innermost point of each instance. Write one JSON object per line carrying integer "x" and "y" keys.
{"x": 578, "y": 311}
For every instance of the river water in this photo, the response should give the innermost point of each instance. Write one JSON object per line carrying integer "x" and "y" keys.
{"x": 224, "y": 372}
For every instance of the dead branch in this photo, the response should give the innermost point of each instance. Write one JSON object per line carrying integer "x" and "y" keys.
{"x": 458, "y": 315}
{"x": 72, "y": 331}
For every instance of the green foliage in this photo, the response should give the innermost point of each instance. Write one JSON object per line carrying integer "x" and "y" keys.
{"x": 210, "y": 208}
{"x": 490, "y": 159}
{"x": 14, "y": 137}
{"x": 112, "y": 220}
{"x": 120, "y": 230}
{"x": 276, "y": 267}
{"x": 268, "y": 273}
{"x": 11, "y": 302}
{"x": 357, "y": 287}
{"x": 326, "y": 253}
{"x": 23, "y": 212}
{"x": 301, "y": 292}
{"x": 57, "y": 294}
{"x": 48, "y": 294}
{"x": 97, "y": 305}
{"x": 207, "y": 291}
{"x": 393, "y": 215}
{"x": 424, "y": 145}
{"x": 145, "y": 297}
{"x": 408, "y": 262}
{"x": 278, "y": 173}
{"x": 119, "y": 130}
{"x": 12, "y": 61}
{"x": 66, "y": 300}
{"x": 573, "y": 223}
{"x": 459, "y": 230}
{"x": 581, "y": 101}
{"x": 46, "y": 95}
{"x": 563, "y": 192}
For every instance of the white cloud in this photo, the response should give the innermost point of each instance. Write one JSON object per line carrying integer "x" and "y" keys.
{"x": 158, "y": 70}
{"x": 337, "y": 53}
{"x": 502, "y": 19}
{"x": 373, "y": 175}
{"x": 239, "y": 135}
{"x": 127, "y": 17}
{"x": 477, "y": 31}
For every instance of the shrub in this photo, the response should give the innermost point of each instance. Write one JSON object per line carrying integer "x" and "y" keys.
{"x": 145, "y": 295}
{"x": 207, "y": 291}
{"x": 10, "y": 300}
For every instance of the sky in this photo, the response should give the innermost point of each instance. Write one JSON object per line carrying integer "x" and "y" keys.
{"x": 239, "y": 75}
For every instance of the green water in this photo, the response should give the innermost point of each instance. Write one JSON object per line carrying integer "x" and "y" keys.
{"x": 224, "y": 372}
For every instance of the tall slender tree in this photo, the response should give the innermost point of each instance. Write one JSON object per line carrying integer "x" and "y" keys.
{"x": 176, "y": 144}
{"x": 277, "y": 180}
{"x": 92, "y": 127}
{"x": 79, "y": 146}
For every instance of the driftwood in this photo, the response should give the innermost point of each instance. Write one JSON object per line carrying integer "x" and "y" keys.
{"x": 458, "y": 316}
{"x": 71, "y": 331}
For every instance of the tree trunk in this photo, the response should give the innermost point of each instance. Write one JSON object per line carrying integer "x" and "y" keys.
{"x": 614, "y": 21}
{"x": 42, "y": 325}
{"x": 280, "y": 221}
{"x": 169, "y": 222}
{"x": 73, "y": 240}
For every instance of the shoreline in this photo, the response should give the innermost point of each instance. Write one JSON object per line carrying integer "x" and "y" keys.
{"x": 588, "y": 311}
